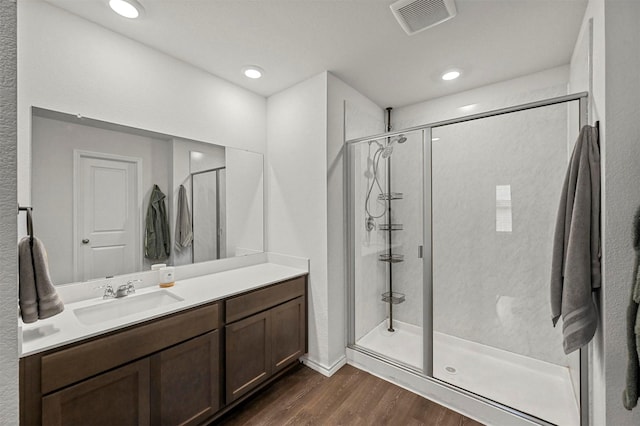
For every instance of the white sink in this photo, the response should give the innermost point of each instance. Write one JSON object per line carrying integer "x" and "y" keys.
{"x": 118, "y": 308}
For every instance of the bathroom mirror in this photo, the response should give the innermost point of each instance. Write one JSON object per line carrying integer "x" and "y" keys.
{"x": 109, "y": 199}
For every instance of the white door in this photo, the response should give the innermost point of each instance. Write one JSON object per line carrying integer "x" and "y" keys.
{"x": 107, "y": 215}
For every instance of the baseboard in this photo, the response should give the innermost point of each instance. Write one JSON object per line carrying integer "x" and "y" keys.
{"x": 326, "y": 371}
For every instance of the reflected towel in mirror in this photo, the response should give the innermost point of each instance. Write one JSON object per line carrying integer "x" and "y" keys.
{"x": 184, "y": 231}
{"x": 157, "y": 245}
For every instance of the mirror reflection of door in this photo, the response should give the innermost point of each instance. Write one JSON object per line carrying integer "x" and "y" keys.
{"x": 107, "y": 209}
{"x": 209, "y": 216}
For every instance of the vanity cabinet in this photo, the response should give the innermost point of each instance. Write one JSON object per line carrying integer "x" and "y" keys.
{"x": 185, "y": 382}
{"x": 139, "y": 375}
{"x": 265, "y": 332}
{"x": 119, "y": 397}
{"x": 186, "y": 368}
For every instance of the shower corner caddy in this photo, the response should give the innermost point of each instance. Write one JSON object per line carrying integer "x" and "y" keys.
{"x": 391, "y": 297}
{"x": 391, "y": 258}
{"x": 386, "y": 196}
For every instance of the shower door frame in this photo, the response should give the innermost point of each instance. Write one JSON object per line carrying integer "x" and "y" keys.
{"x": 427, "y": 372}
{"x": 217, "y": 171}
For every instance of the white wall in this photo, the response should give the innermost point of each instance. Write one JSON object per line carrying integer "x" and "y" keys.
{"x": 8, "y": 231}
{"x": 71, "y": 65}
{"x": 245, "y": 202}
{"x": 306, "y": 217}
{"x": 621, "y": 156}
{"x": 297, "y": 194}
{"x": 365, "y": 116}
{"x": 532, "y": 87}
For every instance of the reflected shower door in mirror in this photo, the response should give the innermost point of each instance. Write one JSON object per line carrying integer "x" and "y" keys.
{"x": 209, "y": 200}
{"x": 106, "y": 198}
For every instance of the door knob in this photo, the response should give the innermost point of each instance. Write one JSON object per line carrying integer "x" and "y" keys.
{"x": 85, "y": 241}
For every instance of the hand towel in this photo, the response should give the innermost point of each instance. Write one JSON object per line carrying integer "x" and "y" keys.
{"x": 575, "y": 267}
{"x": 630, "y": 393}
{"x": 38, "y": 298}
{"x": 184, "y": 232}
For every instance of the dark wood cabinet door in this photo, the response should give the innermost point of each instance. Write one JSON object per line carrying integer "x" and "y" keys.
{"x": 118, "y": 397}
{"x": 185, "y": 381}
{"x": 288, "y": 330}
{"x": 248, "y": 354}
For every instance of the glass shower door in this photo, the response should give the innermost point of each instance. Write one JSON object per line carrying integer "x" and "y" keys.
{"x": 386, "y": 205}
{"x": 495, "y": 188}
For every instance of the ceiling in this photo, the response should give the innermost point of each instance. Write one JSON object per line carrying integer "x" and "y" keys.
{"x": 357, "y": 40}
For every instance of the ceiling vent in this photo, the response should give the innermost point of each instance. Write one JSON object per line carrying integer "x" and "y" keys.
{"x": 418, "y": 15}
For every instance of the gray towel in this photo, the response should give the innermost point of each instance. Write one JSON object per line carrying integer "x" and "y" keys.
{"x": 38, "y": 298}
{"x": 575, "y": 264}
{"x": 157, "y": 244}
{"x": 630, "y": 394}
{"x": 184, "y": 232}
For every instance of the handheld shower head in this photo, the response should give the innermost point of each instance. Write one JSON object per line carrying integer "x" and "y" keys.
{"x": 388, "y": 150}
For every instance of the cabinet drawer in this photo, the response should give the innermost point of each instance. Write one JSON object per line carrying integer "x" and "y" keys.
{"x": 67, "y": 366}
{"x": 242, "y": 306}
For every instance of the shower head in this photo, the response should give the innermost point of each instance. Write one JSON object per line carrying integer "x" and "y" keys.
{"x": 388, "y": 150}
{"x": 400, "y": 139}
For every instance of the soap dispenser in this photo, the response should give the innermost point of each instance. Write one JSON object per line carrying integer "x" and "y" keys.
{"x": 167, "y": 277}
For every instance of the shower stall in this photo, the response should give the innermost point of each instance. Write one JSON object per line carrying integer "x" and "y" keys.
{"x": 450, "y": 234}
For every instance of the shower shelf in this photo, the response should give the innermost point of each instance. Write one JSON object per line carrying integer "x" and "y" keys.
{"x": 390, "y": 227}
{"x": 391, "y": 258}
{"x": 393, "y": 297}
{"x": 390, "y": 196}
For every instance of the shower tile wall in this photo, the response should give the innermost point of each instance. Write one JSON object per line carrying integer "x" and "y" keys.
{"x": 492, "y": 287}
{"x": 370, "y": 273}
{"x": 406, "y": 173}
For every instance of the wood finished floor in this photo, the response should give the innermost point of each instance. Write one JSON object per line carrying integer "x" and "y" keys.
{"x": 349, "y": 397}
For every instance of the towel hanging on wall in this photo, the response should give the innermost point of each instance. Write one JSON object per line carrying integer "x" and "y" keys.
{"x": 37, "y": 297}
{"x": 184, "y": 231}
{"x": 632, "y": 388}
{"x": 575, "y": 264}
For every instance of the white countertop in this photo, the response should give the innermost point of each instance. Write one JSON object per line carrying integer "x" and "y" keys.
{"x": 65, "y": 327}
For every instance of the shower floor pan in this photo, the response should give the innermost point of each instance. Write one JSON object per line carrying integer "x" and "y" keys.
{"x": 532, "y": 386}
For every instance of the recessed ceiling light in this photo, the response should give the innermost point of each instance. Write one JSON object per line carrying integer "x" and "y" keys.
{"x": 252, "y": 71}
{"x": 435, "y": 139}
{"x": 451, "y": 75}
{"x": 127, "y": 8}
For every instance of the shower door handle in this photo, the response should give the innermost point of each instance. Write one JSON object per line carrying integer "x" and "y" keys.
{"x": 420, "y": 249}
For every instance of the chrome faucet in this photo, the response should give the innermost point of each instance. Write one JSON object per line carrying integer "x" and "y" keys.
{"x": 109, "y": 293}
{"x": 122, "y": 290}
{"x": 127, "y": 289}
